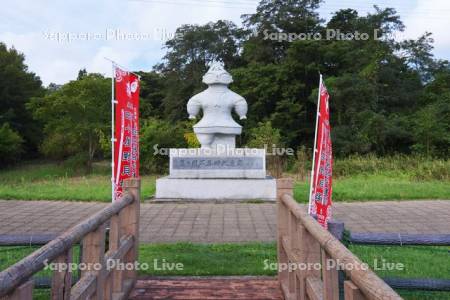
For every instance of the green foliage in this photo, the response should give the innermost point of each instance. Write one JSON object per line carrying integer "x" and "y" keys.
{"x": 431, "y": 123}
{"x": 269, "y": 138}
{"x": 264, "y": 135}
{"x": 431, "y": 129}
{"x": 10, "y": 145}
{"x": 77, "y": 162}
{"x": 191, "y": 140}
{"x": 189, "y": 135}
{"x": 192, "y": 48}
{"x": 413, "y": 166}
{"x": 76, "y": 117}
{"x": 152, "y": 94}
{"x": 437, "y": 169}
{"x": 377, "y": 86}
{"x": 277, "y": 16}
{"x": 301, "y": 164}
{"x": 156, "y": 137}
{"x": 387, "y": 96}
{"x": 17, "y": 87}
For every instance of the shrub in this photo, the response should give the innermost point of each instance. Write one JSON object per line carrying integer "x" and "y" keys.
{"x": 432, "y": 170}
{"x": 301, "y": 163}
{"x": 264, "y": 135}
{"x": 77, "y": 163}
{"x": 10, "y": 145}
{"x": 414, "y": 166}
{"x": 156, "y": 137}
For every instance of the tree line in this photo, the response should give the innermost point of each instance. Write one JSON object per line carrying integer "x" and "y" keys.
{"x": 387, "y": 96}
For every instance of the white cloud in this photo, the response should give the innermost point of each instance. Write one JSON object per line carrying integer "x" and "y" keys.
{"x": 25, "y": 22}
{"x": 431, "y": 16}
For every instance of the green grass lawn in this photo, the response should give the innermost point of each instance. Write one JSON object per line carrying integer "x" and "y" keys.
{"x": 209, "y": 259}
{"x": 386, "y": 186}
{"x": 253, "y": 259}
{"x": 50, "y": 181}
{"x": 418, "y": 261}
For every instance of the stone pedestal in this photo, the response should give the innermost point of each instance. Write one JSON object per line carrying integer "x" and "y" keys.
{"x": 224, "y": 174}
{"x": 216, "y": 189}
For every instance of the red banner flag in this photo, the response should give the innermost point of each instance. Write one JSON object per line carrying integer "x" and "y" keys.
{"x": 322, "y": 171}
{"x": 126, "y": 137}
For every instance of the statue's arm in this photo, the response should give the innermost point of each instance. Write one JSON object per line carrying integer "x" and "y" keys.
{"x": 240, "y": 106}
{"x": 193, "y": 107}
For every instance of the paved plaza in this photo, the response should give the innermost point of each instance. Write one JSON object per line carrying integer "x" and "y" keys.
{"x": 233, "y": 222}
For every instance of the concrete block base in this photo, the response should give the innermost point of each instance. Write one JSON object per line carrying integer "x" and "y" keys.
{"x": 216, "y": 189}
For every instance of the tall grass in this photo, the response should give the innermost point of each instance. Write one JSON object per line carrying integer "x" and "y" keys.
{"x": 31, "y": 171}
{"x": 414, "y": 167}
{"x": 417, "y": 167}
{"x": 53, "y": 181}
{"x": 357, "y": 178}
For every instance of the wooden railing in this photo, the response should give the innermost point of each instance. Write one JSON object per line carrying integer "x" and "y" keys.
{"x": 96, "y": 281}
{"x": 308, "y": 255}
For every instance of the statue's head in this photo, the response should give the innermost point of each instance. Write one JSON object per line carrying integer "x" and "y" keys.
{"x": 217, "y": 75}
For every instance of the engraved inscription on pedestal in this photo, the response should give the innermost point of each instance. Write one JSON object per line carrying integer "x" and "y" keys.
{"x": 199, "y": 163}
{"x": 218, "y": 163}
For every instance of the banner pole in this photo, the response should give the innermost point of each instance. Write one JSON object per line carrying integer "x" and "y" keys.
{"x": 122, "y": 67}
{"x": 314, "y": 149}
{"x": 112, "y": 129}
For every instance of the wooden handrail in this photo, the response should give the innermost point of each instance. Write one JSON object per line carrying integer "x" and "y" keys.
{"x": 124, "y": 218}
{"x": 301, "y": 239}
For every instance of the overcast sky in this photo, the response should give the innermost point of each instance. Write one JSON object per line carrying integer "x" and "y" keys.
{"x": 32, "y": 27}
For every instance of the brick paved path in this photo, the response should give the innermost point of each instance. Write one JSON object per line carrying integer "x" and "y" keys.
{"x": 204, "y": 222}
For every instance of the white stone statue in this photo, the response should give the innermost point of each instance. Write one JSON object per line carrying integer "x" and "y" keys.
{"x": 217, "y": 126}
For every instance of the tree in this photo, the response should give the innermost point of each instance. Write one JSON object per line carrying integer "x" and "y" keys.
{"x": 152, "y": 93}
{"x": 188, "y": 57}
{"x": 277, "y": 16}
{"x": 17, "y": 87}
{"x": 156, "y": 137}
{"x": 194, "y": 46}
{"x": 267, "y": 137}
{"x": 10, "y": 145}
{"x": 75, "y": 118}
{"x": 431, "y": 123}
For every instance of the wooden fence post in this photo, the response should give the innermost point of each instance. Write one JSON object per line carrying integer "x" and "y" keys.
{"x": 23, "y": 292}
{"x": 113, "y": 282}
{"x": 94, "y": 257}
{"x": 330, "y": 277}
{"x": 62, "y": 280}
{"x": 284, "y": 186}
{"x": 131, "y": 222}
{"x": 294, "y": 242}
{"x": 310, "y": 256}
